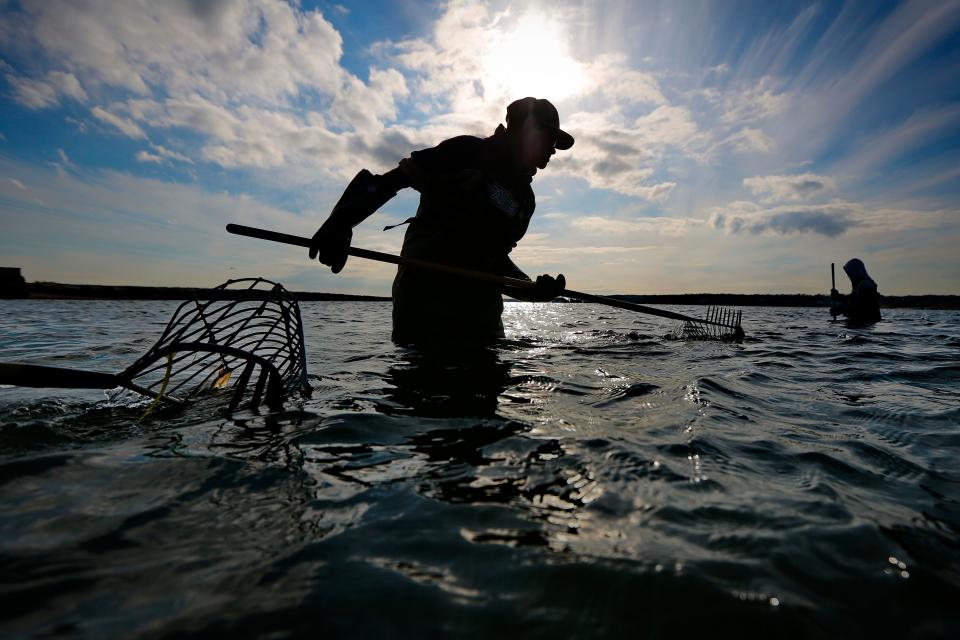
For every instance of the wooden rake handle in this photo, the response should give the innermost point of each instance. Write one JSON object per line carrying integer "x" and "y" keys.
{"x": 479, "y": 276}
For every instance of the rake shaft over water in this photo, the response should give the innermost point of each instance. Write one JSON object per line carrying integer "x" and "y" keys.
{"x": 718, "y": 324}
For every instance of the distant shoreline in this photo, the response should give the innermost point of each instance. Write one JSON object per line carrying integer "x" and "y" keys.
{"x": 60, "y": 291}
{"x": 790, "y": 300}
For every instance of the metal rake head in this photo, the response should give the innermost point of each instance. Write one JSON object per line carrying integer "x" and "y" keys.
{"x": 245, "y": 331}
{"x": 718, "y": 324}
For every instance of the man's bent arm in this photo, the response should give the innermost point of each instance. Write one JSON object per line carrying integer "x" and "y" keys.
{"x": 365, "y": 194}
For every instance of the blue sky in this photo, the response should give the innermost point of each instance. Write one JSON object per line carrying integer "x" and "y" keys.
{"x": 721, "y": 146}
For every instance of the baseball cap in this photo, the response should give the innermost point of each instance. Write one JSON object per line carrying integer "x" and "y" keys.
{"x": 545, "y": 113}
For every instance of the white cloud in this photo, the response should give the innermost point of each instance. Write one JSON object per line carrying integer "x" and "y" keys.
{"x": 611, "y": 76}
{"x": 754, "y": 103}
{"x": 40, "y": 93}
{"x": 163, "y": 152}
{"x": 621, "y": 155}
{"x": 67, "y": 84}
{"x": 254, "y": 50}
{"x": 619, "y": 227}
{"x": 146, "y": 156}
{"x": 17, "y": 184}
{"x": 231, "y": 71}
{"x": 234, "y": 71}
{"x": 805, "y": 186}
{"x": 125, "y": 125}
{"x": 33, "y": 94}
{"x": 830, "y": 219}
{"x": 748, "y": 140}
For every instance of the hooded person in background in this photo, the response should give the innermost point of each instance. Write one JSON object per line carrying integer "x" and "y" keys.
{"x": 475, "y": 205}
{"x": 863, "y": 303}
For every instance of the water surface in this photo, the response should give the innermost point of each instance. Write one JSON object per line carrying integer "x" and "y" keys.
{"x": 589, "y": 476}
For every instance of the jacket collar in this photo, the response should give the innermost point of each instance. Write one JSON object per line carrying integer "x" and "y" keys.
{"x": 501, "y": 160}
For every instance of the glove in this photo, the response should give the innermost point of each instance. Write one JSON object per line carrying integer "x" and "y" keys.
{"x": 547, "y": 288}
{"x": 365, "y": 194}
{"x": 330, "y": 244}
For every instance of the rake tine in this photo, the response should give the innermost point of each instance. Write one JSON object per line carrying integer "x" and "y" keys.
{"x": 240, "y": 387}
{"x": 274, "y": 397}
{"x": 258, "y": 390}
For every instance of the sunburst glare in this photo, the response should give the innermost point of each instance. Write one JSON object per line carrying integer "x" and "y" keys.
{"x": 532, "y": 59}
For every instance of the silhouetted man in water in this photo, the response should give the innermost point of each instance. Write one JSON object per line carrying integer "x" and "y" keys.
{"x": 475, "y": 205}
{"x": 863, "y": 303}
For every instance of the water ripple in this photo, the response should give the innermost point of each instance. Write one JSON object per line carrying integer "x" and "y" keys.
{"x": 589, "y": 476}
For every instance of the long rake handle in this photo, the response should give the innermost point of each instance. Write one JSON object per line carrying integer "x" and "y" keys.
{"x": 300, "y": 241}
{"x": 34, "y": 375}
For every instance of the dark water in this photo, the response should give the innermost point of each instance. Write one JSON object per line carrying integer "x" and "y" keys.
{"x": 589, "y": 477}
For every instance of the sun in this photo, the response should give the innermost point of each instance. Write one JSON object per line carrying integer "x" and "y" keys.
{"x": 532, "y": 59}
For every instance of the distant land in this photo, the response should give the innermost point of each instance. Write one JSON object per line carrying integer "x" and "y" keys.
{"x": 790, "y": 300}
{"x": 59, "y": 291}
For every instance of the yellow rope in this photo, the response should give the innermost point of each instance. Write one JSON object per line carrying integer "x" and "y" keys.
{"x": 163, "y": 388}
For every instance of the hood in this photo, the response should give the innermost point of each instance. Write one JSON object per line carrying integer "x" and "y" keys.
{"x": 856, "y": 270}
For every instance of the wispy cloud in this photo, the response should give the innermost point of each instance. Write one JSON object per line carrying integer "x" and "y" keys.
{"x": 876, "y": 150}
{"x": 805, "y": 186}
{"x": 124, "y": 125}
{"x": 828, "y": 220}
{"x": 619, "y": 227}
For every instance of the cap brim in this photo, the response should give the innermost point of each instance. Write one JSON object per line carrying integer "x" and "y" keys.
{"x": 564, "y": 140}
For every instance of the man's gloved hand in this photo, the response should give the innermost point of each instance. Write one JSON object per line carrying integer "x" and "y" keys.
{"x": 365, "y": 194}
{"x": 547, "y": 288}
{"x": 330, "y": 244}
{"x": 835, "y": 299}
